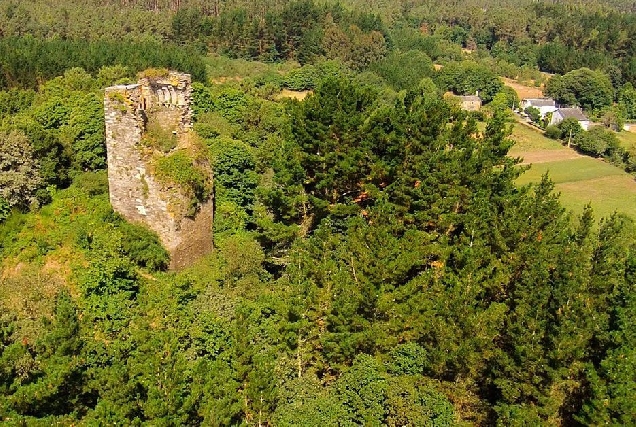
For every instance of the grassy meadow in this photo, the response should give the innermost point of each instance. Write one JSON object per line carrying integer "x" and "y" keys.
{"x": 579, "y": 179}
{"x": 221, "y": 69}
{"x": 627, "y": 139}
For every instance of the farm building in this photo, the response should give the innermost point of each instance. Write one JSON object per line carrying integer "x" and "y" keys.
{"x": 565, "y": 113}
{"x": 544, "y": 105}
{"x": 470, "y": 102}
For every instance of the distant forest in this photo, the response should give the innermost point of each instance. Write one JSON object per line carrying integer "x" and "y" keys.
{"x": 556, "y": 37}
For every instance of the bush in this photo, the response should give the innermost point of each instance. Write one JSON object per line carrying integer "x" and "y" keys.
{"x": 229, "y": 218}
{"x": 553, "y": 132}
{"x": 211, "y": 125}
{"x": 160, "y": 136}
{"x": 43, "y": 196}
{"x": 231, "y": 103}
{"x": 465, "y": 78}
{"x": 534, "y": 114}
{"x": 202, "y": 100}
{"x": 179, "y": 168}
{"x": 143, "y": 247}
{"x": 479, "y": 116}
{"x": 234, "y": 174}
{"x": 108, "y": 277}
{"x": 304, "y": 78}
{"x": 597, "y": 142}
{"x": 92, "y": 183}
{"x": 404, "y": 70}
{"x": 569, "y": 128}
{"x": 206, "y": 130}
{"x": 270, "y": 78}
{"x": 5, "y": 209}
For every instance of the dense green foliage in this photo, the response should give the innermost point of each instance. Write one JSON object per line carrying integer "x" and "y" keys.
{"x": 585, "y": 88}
{"x": 26, "y": 61}
{"x": 556, "y": 37}
{"x": 519, "y": 36}
{"x": 469, "y": 78}
{"x": 20, "y": 175}
{"x": 378, "y": 267}
{"x": 375, "y": 262}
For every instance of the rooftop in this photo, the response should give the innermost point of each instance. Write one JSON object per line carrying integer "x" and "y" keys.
{"x": 541, "y": 102}
{"x": 470, "y": 98}
{"x": 574, "y": 113}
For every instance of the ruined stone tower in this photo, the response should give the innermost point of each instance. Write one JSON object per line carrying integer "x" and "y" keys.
{"x": 146, "y": 123}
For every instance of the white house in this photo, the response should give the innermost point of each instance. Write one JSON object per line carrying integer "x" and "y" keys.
{"x": 565, "y": 113}
{"x": 544, "y": 105}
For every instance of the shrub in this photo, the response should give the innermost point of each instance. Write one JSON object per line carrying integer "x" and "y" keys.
{"x": 108, "y": 277}
{"x": 178, "y": 168}
{"x": 403, "y": 70}
{"x": 229, "y": 218}
{"x": 480, "y": 116}
{"x": 270, "y": 78}
{"x": 143, "y": 247}
{"x": 160, "y": 135}
{"x": 231, "y": 103}
{"x": 19, "y": 172}
{"x": 202, "y": 100}
{"x": 597, "y": 142}
{"x": 5, "y": 209}
{"x": 534, "y": 114}
{"x": 206, "y": 130}
{"x": 303, "y": 78}
{"x": 569, "y": 127}
{"x": 93, "y": 183}
{"x": 235, "y": 178}
{"x": 553, "y": 132}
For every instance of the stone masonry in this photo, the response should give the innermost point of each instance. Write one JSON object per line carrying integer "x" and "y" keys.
{"x": 135, "y": 192}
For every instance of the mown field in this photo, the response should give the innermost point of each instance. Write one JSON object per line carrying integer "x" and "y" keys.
{"x": 627, "y": 139}
{"x": 579, "y": 179}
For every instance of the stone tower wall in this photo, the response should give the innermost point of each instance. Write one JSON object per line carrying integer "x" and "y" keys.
{"x": 135, "y": 192}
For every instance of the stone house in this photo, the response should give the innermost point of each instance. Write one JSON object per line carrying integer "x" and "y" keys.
{"x": 561, "y": 114}
{"x": 470, "y": 102}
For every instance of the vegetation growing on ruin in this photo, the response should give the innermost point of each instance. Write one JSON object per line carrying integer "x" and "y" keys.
{"x": 121, "y": 103}
{"x": 179, "y": 168}
{"x": 159, "y": 135}
{"x": 153, "y": 73}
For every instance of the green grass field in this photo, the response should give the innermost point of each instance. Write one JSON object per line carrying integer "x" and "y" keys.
{"x": 572, "y": 170}
{"x": 627, "y": 139}
{"x": 221, "y": 68}
{"x": 579, "y": 180}
{"x": 530, "y": 139}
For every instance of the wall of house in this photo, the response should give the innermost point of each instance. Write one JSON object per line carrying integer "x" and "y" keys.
{"x": 556, "y": 118}
{"x": 543, "y": 110}
{"x": 546, "y": 109}
{"x": 135, "y": 192}
{"x": 471, "y": 105}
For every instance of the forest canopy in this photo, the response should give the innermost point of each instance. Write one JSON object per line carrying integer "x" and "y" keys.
{"x": 376, "y": 261}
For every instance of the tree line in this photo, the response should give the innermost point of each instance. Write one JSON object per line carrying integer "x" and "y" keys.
{"x": 554, "y": 37}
